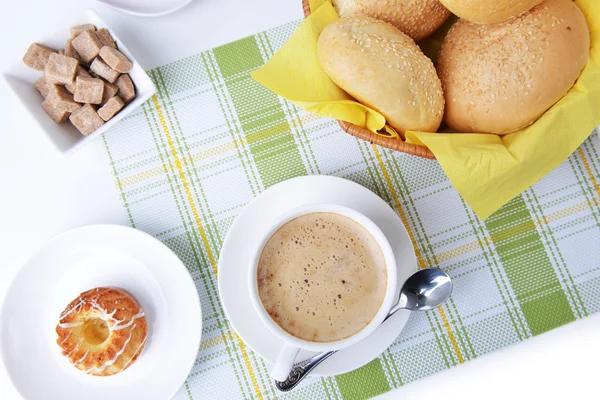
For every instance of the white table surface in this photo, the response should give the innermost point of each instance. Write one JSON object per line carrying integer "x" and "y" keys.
{"x": 42, "y": 194}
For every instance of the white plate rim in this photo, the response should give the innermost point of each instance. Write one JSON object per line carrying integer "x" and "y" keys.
{"x": 25, "y": 266}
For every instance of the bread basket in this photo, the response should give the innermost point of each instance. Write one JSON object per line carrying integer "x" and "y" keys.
{"x": 365, "y": 134}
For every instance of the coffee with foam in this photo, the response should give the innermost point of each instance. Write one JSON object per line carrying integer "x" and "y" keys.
{"x": 322, "y": 277}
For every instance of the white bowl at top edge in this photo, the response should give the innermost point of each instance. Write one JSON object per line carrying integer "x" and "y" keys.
{"x": 144, "y": 8}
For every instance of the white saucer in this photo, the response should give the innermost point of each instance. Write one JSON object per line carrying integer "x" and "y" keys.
{"x": 146, "y": 8}
{"x": 81, "y": 259}
{"x": 258, "y": 217}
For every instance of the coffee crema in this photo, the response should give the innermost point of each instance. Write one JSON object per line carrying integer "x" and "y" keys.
{"x": 322, "y": 277}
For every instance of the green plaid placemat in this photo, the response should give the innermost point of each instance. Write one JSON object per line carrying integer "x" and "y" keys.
{"x": 189, "y": 160}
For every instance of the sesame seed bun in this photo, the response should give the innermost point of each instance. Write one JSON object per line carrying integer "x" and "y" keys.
{"x": 384, "y": 69}
{"x": 501, "y": 78}
{"x": 489, "y": 11}
{"x": 417, "y": 18}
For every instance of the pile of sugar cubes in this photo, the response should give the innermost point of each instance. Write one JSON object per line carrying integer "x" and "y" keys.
{"x": 87, "y": 82}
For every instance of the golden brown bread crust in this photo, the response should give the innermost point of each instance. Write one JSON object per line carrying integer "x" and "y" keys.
{"x": 416, "y": 18}
{"x": 383, "y": 69}
{"x": 489, "y": 11}
{"x": 501, "y": 78}
{"x": 119, "y": 315}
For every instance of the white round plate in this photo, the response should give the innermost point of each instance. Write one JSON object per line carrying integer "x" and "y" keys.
{"x": 146, "y": 8}
{"x": 81, "y": 259}
{"x": 259, "y": 216}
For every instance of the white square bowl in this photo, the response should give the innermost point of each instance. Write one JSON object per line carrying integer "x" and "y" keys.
{"x": 65, "y": 137}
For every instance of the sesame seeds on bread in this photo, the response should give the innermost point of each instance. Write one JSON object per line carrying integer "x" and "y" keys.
{"x": 384, "y": 69}
{"x": 502, "y": 77}
{"x": 489, "y": 11}
{"x": 416, "y": 18}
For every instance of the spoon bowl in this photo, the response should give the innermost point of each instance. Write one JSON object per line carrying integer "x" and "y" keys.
{"x": 424, "y": 290}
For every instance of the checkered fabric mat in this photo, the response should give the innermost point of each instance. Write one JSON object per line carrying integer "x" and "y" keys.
{"x": 189, "y": 160}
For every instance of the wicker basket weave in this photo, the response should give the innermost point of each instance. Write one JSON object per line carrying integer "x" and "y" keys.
{"x": 369, "y": 136}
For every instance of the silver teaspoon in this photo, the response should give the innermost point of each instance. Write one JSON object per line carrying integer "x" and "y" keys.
{"x": 422, "y": 291}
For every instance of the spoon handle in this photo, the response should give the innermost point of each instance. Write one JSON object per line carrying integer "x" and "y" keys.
{"x": 303, "y": 368}
{"x": 301, "y": 371}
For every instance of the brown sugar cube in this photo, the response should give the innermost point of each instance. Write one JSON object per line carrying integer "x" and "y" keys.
{"x": 37, "y": 56}
{"x": 58, "y": 115}
{"x": 87, "y": 45}
{"x": 112, "y": 106}
{"x": 61, "y": 98}
{"x": 100, "y": 68}
{"x": 61, "y": 69}
{"x": 76, "y": 30}
{"x": 105, "y": 38}
{"x": 86, "y": 119}
{"x": 116, "y": 60}
{"x": 40, "y": 84}
{"x": 61, "y": 52}
{"x": 126, "y": 88}
{"x": 88, "y": 90}
{"x": 80, "y": 72}
{"x": 110, "y": 91}
{"x": 70, "y": 50}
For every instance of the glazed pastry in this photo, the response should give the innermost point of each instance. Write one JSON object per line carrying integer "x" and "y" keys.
{"x": 102, "y": 332}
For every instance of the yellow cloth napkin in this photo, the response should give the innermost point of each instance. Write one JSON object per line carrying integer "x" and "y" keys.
{"x": 487, "y": 170}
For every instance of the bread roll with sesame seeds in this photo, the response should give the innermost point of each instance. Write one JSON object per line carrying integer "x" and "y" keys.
{"x": 489, "y": 11}
{"x": 384, "y": 69}
{"x": 501, "y": 78}
{"x": 417, "y": 18}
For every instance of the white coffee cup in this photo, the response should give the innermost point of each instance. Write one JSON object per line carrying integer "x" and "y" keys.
{"x": 292, "y": 344}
